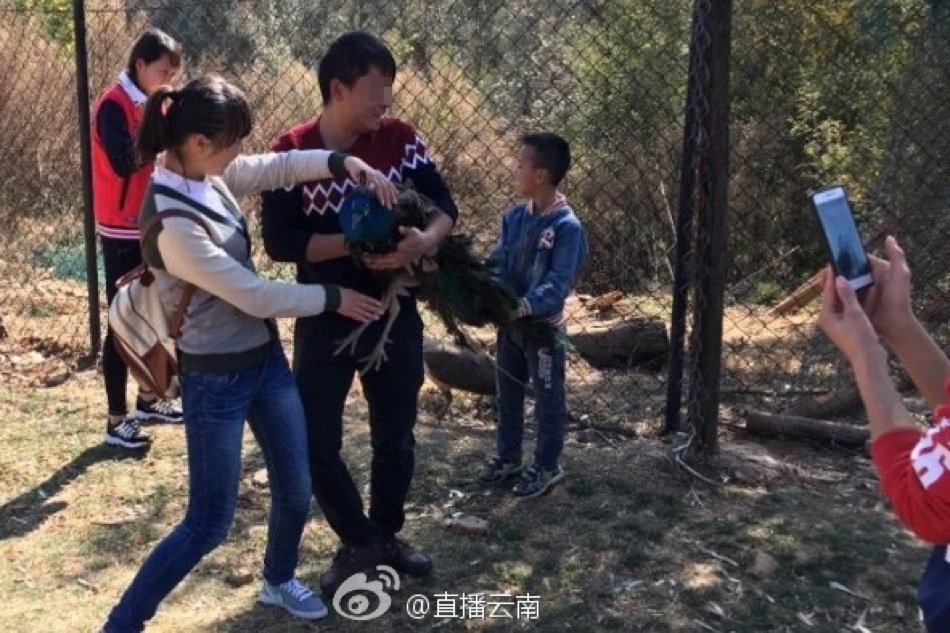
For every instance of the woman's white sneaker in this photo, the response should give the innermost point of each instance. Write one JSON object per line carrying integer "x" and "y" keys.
{"x": 295, "y": 598}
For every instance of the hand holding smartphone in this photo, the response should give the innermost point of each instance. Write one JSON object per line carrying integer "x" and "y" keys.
{"x": 845, "y": 249}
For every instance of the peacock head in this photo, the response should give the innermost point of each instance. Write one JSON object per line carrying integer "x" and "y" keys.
{"x": 366, "y": 224}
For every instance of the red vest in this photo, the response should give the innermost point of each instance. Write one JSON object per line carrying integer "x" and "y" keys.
{"x": 116, "y": 200}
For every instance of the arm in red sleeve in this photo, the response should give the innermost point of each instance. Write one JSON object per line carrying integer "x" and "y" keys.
{"x": 284, "y": 226}
{"x": 913, "y": 470}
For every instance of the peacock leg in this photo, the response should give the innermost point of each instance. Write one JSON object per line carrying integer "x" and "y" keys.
{"x": 351, "y": 340}
{"x": 375, "y": 359}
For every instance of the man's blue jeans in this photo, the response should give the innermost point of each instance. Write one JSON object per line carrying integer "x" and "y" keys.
{"x": 215, "y": 407}
{"x": 519, "y": 357}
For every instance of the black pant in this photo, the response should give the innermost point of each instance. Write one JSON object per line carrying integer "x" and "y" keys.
{"x": 119, "y": 257}
{"x": 392, "y": 393}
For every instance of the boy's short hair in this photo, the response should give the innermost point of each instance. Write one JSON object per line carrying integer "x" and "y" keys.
{"x": 551, "y": 153}
{"x": 350, "y": 57}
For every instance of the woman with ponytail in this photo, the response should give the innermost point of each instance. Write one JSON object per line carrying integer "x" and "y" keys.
{"x": 232, "y": 365}
{"x": 119, "y": 182}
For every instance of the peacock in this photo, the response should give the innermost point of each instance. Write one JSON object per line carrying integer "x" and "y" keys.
{"x": 453, "y": 282}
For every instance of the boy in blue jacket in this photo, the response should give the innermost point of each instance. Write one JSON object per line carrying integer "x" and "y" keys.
{"x": 540, "y": 252}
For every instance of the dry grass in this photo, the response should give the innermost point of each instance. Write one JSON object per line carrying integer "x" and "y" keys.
{"x": 625, "y": 544}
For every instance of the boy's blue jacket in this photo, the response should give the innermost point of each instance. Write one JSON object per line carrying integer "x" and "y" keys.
{"x": 541, "y": 255}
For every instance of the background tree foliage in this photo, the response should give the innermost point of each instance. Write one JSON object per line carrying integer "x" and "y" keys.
{"x": 823, "y": 91}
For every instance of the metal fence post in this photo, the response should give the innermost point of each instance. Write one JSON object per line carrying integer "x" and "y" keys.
{"x": 684, "y": 236}
{"x": 89, "y": 223}
{"x": 711, "y": 261}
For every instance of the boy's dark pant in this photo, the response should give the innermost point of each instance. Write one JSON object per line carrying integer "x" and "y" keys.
{"x": 934, "y": 591}
{"x": 519, "y": 358}
{"x": 392, "y": 393}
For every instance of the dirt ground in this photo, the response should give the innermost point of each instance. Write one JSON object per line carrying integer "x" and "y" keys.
{"x": 792, "y": 537}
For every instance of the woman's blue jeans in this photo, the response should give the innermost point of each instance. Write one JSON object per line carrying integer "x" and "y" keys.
{"x": 215, "y": 407}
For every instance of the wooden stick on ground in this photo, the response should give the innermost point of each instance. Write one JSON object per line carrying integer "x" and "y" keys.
{"x": 800, "y": 297}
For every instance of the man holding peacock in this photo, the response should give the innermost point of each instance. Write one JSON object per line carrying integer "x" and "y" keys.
{"x": 303, "y": 225}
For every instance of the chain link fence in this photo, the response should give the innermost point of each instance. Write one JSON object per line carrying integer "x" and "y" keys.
{"x": 42, "y": 269}
{"x": 829, "y": 92}
{"x": 825, "y": 91}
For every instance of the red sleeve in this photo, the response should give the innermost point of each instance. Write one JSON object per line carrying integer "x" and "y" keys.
{"x": 286, "y": 231}
{"x": 302, "y": 136}
{"x": 913, "y": 470}
{"x": 284, "y": 143}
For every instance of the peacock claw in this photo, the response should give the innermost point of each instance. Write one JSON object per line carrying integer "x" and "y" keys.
{"x": 350, "y": 340}
{"x": 375, "y": 359}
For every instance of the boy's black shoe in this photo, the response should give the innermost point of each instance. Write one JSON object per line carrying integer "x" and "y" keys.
{"x": 127, "y": 434}
{"x": 536, "y": 481}
{"x": 498, "y": 470}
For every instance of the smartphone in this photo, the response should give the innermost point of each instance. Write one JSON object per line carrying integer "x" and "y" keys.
{"x": 847, "y": 254}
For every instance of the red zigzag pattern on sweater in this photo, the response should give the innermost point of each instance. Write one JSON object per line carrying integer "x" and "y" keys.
{"x": 328, "y": 194}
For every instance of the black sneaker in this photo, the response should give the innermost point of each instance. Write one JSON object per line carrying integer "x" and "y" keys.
{"x": 161, "y": 410}
{"x": 536, "y": 481}
{"x": 498, "y": 470}
{"x": 127, "y": 434}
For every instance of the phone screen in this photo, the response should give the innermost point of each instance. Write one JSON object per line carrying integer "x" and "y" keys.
{"x": 844, "y": 242}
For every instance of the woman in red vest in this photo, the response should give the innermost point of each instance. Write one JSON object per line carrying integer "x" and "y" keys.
{"x": 119, "y": 182}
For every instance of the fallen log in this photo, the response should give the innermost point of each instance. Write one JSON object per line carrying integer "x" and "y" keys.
{"x": 623, "y": 343}
{"x": 626, "y": 343}
{"x": 836, "y": 434}
{"x": 844, "y": 401}
{"x": 451, "y": 367}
